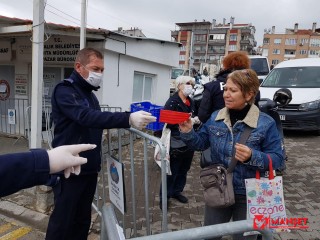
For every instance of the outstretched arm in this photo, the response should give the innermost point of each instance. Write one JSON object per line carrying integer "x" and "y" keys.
{"x": 28, "y": 169}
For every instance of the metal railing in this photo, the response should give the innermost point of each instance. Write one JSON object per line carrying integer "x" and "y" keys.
{"x": 15, "y": 124}
{"x": 46, "y": 124}
{"x": 110, "y": 229}
{"x": 128, "y": 138}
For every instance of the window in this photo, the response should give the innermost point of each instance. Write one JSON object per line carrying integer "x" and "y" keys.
{"x": 200, "y": 38}
{"x": 289, "y": 52}
{"x": 277, "y": 41}
{"x": 142, "y": 87}
{"x": 314, "y": 42}
{"x": 182, "y": 57}
{"x": 313, "y": 52}
{"x": 291, "y": 41}
{"x": 213, "y": 37}
{"x": 304, "y": 41}
{"x": 233, "y": 37}
{"x": 266, "y": 41}
{"x": 232, "y": 47}
{"x": 303, "y": 51}
{"x": 265, "y": 52}
{"x": 276, "y": 51}
{"x": 274, "y": 62}
{"x": 183, "y": 48}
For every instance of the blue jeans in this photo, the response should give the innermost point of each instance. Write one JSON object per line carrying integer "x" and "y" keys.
{"x": 180, "y": 163}
{"x": 237, "y": 212}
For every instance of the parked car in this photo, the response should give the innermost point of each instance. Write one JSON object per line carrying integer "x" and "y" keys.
{"x": 260, "y": 65}
{"x": 302, "y": 78}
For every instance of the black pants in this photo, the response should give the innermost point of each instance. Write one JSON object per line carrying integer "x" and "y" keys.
{"x": 237, "y": 212}
{"x": 71, "y": 216}
{"x": 180, "y": 163}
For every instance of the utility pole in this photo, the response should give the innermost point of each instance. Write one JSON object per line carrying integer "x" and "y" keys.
{"x": 83, "y": 24}
{"x": 37, "y": 73}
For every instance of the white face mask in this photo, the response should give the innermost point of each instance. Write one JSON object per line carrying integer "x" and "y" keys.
{"x": 94, "y": 78}
{"x": 187, "y": 90}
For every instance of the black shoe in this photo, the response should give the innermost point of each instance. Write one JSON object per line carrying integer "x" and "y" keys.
{"x": 181, "y": 198}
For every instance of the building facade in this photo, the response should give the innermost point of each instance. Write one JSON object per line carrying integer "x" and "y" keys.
{"x": 206, "y": 43}
{"x": 136, "y": 68}
{"x": 294, "y": 43}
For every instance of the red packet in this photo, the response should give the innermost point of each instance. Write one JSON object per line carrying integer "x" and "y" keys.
{"x": 173, "y": 117}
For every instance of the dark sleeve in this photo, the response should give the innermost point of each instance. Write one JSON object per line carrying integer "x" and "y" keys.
{"x": 77, "y": 108}
{"x": 205, "y": 108}
{"x": 257, "y": 99}
{"x": 170, "y": 106}
{"x": 23, "y": 170}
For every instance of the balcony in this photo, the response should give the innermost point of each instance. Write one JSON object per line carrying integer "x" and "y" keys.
{"x": 245, "y": 41}
{"x": 289, "y": 56}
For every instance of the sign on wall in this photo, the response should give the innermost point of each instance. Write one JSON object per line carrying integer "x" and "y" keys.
{"x": 21, "y": 85}
{"x": 5, "y": 51}
{"x": 11, "y": 116}
{"x": 48, "y": 85}
{"x": 116, "y": 184}
{"x": 57, "y": 49}
{"x": 4, "y": 90}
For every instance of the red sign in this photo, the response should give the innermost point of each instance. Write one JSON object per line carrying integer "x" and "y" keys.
{"x": 4, "y": 90}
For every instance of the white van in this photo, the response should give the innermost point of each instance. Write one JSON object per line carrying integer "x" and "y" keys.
{"x": 260, "y": 65}
{"x": 302, "y": 78}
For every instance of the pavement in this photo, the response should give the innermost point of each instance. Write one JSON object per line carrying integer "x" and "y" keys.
{"x": 301, "y": 192}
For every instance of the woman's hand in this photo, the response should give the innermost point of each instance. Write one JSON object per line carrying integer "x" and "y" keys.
{"x": 243, "y": 152}
{"x": 186, "y": 126}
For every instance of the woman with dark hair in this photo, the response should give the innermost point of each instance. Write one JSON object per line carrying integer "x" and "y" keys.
{"x": 212, "y": 99}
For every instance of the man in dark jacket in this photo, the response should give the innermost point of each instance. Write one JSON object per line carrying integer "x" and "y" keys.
{"x": 78, "y": 119}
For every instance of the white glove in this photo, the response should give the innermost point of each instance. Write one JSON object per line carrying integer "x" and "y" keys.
{"x": 141, "y": 119}
{"x": 67, "y": 158}
{"x": 195, "y": 120}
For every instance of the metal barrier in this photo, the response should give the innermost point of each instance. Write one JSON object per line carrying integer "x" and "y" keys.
{"x": 47, "y": 124}
{"x": 147, "y": 140}
{"x": 12, "y": 117}
{"x": 110, "y": 229}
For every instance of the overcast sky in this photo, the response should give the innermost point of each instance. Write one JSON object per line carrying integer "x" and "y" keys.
{"x": 156, "y": 18}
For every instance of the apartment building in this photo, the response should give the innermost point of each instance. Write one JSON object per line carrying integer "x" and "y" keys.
{"x": 294, "y": 43}
{"x": 205, "y": 42}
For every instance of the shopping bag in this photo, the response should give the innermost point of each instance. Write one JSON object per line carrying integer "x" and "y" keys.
{"x": 165, "y": 139}
{"x": 265, "y": 201}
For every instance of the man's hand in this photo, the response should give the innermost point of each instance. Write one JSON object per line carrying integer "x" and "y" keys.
{"x": 67, "y": 158}
{"x": 141, "y": 119}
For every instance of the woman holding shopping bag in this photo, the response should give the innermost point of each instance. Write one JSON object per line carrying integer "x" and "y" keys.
{"x": 222, "y": 133}
{"x": 180, "y": 154}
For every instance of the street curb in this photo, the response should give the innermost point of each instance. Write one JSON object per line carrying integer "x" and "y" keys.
{"x": 30, "y": 217}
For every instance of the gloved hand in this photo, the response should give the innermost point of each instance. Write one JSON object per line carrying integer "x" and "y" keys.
{"x": 141, "y": 119}
{"x": 195, "y": 120}
{"x": 67, "y": 158}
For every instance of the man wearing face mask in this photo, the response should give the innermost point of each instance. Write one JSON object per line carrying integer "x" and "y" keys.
{"x": 78, "y": 119}
{"x": 180, "y": 155}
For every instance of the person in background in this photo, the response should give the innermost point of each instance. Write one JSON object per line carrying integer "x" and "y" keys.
{"x": 221, "y": 133}
{"x": 28, "y": 169}
{"x": 78, "y": 119}
{"x": 180, "y": 154}
{"x": 212, "y": 99}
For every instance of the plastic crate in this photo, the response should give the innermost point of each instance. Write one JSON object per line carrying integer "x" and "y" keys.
{"x": 151, "y": 108}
